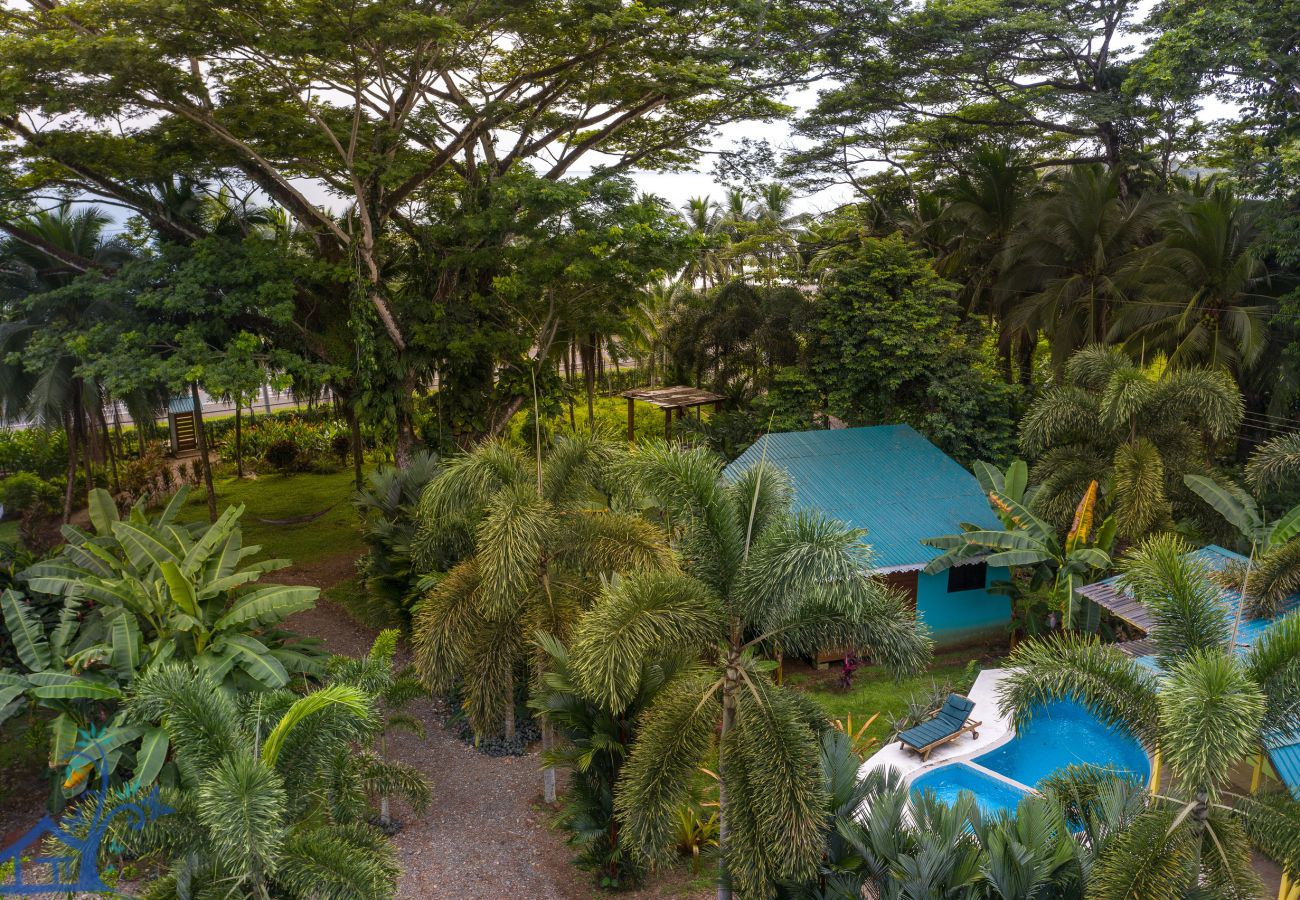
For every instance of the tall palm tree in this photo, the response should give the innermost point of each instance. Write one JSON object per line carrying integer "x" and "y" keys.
{"x": 1204, "y": 285}
{"x": 46, "y": 304}
{"x": 756, "y": 575}
{"x": 1205, "y": 712}
{"x": 770, "y": 237}
{"x": 712, "y": 262}
{"x": 535, "y": 547}
{"x": 1066, "y": 263}
{"x": 1137, "y": 432}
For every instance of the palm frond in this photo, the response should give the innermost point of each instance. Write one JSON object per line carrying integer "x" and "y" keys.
{"x": 1274, "y": 461}
{"x": 1210, "y": 716}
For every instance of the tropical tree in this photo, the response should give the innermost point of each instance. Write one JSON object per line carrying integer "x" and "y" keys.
{"x": 1204, "y": 713}
{"x": 768, "y": 236}
{"x": 1066, "y": 260}
{"x": 390, "y": 690}
{"x": 756, "y": 576}
{"x": 1204, "y": 287}
{"x": 534, "y": 547}
{"x": 1136, "y": 430}
{"x": 271, "y": 793}
{"x": 593, "y": 744}
{"x": 1026, "y": 540}
{"x": 712, "y": 263}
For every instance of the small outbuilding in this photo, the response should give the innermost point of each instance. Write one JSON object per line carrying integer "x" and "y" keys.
{"x": 900, "y": 488}
{"x": 181, "y": 426}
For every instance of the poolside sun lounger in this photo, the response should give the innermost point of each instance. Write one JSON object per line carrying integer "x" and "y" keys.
{"x": 948, "y": 724}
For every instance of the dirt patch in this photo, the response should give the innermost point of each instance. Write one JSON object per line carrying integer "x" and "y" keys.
{"x": 323, "y": 573}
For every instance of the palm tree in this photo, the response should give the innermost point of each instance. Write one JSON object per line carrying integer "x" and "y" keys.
{"x": 1204, "y": 713}
{"x": 1137, "y": 432}
{"x": 534, "y": 547}
{"x": 270, "y": 799}
{"x": 757, "y": 575}
{"x": 712, "y": 263}
{"x": 1203, "y": 284}
{"x": 1067, "y": 260}
{"x": 769, "y": 236}
{"x": 45, "y": 305}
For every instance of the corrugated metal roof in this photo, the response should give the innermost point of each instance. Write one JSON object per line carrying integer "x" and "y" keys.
{"x": 887, "y": 479}
{"x": 180, "y": 404}
{"x": 1284, "y": 754}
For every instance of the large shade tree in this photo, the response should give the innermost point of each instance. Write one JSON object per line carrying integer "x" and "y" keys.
{"x": 756, "y": 575}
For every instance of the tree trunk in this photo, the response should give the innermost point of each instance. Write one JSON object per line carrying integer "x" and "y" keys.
{"x": 548, "y": 744}
{"x": 354, "y": 423}
{"x": 589, "y": 378}
{"x": 204, "y": 463}
{"x": 728, "y": 722}
{"x": 72, "y": 468}
{"x": 509, "y": 723}
{"x": 107, "y": 437}
{"x": 239, "y": 439}
{"x": 404, "y": 445}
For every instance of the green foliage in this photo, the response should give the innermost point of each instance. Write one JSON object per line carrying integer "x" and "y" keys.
{"x": 270, "y": 799}
{"x": 25, "y": 491}
{"x": 888, "y": 345}
{"x": 38, "y": 450}
{"x": 756, "y": 575}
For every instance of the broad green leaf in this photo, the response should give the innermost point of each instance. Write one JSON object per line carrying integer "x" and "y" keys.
{"x": 63, "y": 739}
{"x": 257, "y": 661}
{"x": 216, "y": 661}
{"x": 124, "y": 638}
{"x": 25, "y": 632}
{"x": 989, "y": 477}
{"x": 88, "y": 751}
{"x": 1017, "y": 558}
{"x": 174, "y": 506}
{"x": 1091, "y": 558}
{"x": 1285, "y": 528}
{"x": 1005, "y": 540}
{"x": 213, "y": 538}
{"x": 8, "y": 694}
{"x": 142, "y": 548}
{"x": 228, "y": 559}
{"x": 182, "y": 591}
{"x": 151, "y": 756}
{"x": 103, "y": 511}
{"x": 62, "y": 686}
{"x": 67, "y": 627}
{"x": 268, "y": 605}
{"x": 1027, "y": 521}
{"x": 1235, "y": 506}
{"x": 1017, "y": 480}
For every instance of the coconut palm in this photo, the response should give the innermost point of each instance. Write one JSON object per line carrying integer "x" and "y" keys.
{"x": 1201, "y": 715}
{"x": 1067, "y": 260}
{"x": 535, "y": 546}
{"x": 1204, "y": 286}
{"x": 757, "y": 575}
{"x": 1136, "y": 431}
{"x": 270, "y": 799}
{"x": 1274, "y": 461}
{"x": 712, "y": 262}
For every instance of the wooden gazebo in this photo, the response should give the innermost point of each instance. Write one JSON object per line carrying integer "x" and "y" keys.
{"x": 679, "y": 398}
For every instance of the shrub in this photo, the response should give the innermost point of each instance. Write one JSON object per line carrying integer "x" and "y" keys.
{"x": 282, "y": 455}
{"x": 25, "y": 490}
{"x": 341, "y": 445}
{"x": 34, "y": 450}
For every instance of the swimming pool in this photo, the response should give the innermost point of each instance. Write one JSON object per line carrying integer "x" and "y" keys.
{"x": 1060, "y": 734}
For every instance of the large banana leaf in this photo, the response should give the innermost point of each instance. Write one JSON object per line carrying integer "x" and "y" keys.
{"x": 25, "y": 632}
{"x": 103, "y": 511}
{"x": 989, "y": 476}
{"x": 1237, "y": 507}
{"x": 213, "y": 539}
{"x": 268, "y": 605}
{"x": 151, "y": 756}
{"x": 63, "y": 686}
{"x": 1016, "y": 480}
{"x": 124, "y": 638}
{"x": 174, "y": 506}
{"x": 1017, "y": 558}
{"x": 182, "y": 592}
{"x": 63, "y": 738}
{"x": 1007, "y": 540}
{"x": 143, "y": 548}
{"x": 257, "y": 661}
{"x": 1285, "y": 528}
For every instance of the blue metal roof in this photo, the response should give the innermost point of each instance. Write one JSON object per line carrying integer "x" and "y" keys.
{"x": 1284, "y": 754}
{"x": 180, "y": 404}
{"x": 887, "y": 479}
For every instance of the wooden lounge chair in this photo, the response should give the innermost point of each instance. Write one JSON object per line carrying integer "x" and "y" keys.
{"x": 949, "y": 723}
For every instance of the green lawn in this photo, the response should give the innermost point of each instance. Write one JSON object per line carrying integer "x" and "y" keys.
{"x": 284, "y": 497}
{"x": 875, "y": 691}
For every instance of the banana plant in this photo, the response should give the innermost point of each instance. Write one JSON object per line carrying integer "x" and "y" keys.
{"x": 136, "y": 594}
{"x": 187, "y": 590}
{"x": 1273, "y": 566}
{"x": 1028, "y": 540}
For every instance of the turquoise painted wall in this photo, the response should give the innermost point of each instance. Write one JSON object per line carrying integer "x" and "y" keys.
{"x": 964, "y": 615}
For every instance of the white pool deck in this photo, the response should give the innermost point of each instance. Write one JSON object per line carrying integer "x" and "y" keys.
{"x": 994, "y": 732}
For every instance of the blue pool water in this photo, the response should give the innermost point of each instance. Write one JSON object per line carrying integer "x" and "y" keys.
{"x": 1062, "y": 734}
{"x": 1059, "y": 735}
{"x": 991, "y": 794}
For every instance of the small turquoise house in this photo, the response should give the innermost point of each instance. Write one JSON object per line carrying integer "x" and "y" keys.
{"x": 900, "y": 488}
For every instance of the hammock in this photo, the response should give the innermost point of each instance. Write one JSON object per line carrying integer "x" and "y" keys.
{"x": 299, "y": 520}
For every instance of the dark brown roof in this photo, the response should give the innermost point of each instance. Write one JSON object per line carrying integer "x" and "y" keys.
{"x": 1106, "y": 595}
{"x": 1136, "y": 649}
{"x": 680, "y": 397}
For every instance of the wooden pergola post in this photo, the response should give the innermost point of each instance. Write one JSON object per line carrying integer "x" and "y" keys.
{"x": 680, "y": 398}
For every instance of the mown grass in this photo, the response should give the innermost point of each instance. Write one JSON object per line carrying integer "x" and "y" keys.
{"x": 286, "y": 497}
{"x": 875, "y": 691}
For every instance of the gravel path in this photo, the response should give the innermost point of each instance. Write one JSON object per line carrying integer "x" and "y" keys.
{"x": 486, "y": 834}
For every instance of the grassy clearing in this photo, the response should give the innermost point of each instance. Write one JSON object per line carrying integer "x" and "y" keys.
{"x": 875, "y": 691}
{"x": 285, "y": 497}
